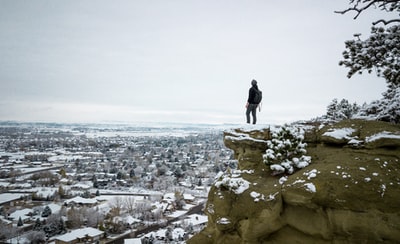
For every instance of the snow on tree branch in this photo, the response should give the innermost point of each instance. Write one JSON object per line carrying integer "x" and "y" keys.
{"x": 360, "y": 6}
{"x": 380, "y": 53}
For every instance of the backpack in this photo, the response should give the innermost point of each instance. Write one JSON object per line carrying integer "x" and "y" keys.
{"x": 258, "y": 97}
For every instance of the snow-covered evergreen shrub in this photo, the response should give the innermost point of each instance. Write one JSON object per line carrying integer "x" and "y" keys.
{"x": 337, "y": 111}
{"x": 286, "y": 151}
{"x": 46, "y": 212}
{"x": 387, "y": 109}
{"x": 232, "y": 181}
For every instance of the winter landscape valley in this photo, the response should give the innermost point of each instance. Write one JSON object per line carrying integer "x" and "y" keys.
{"x": 239, "y": 149}
{"x": 88, "y": 183}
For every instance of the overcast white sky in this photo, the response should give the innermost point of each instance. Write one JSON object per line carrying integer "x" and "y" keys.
{"x": 176, "y": 60}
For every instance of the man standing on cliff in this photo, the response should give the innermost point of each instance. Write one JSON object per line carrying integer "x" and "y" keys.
{"x": 253, "y": 102}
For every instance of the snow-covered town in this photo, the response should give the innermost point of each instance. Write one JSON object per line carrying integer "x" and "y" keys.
{"x": 75, "y": 183}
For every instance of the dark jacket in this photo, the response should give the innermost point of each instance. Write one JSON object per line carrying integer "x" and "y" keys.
{"x": 252, "y": 94}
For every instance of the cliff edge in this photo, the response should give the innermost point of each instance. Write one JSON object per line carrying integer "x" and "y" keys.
{"x": 349, "y": 193}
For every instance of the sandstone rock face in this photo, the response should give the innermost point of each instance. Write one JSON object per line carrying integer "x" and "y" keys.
{"x": 350, "y": 193}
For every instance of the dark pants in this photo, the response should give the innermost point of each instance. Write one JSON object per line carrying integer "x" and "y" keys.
{"x": 252, "y": 108}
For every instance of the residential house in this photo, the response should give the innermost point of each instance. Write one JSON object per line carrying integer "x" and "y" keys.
{"x": 82, "y": 235}
{"x": 24, "y": 214}
{"x": 80, "y": 201}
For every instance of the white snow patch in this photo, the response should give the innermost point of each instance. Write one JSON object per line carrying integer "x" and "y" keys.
{"x": 257, "y": 196}
{"x": 254, "y": 194}
{"x": 310, "y": 187}
{"x": 223, "y": 221}
{"x": 383, "y": 187}
{"x": 210, "y": 208}
{"x": 362, "y": 168}
{"x": 237, "y": 185}
{"x": 298, "y": 181}
{"x": 367, "y": 179}
{"x": 355, "y": 142}
{"x": 311, "y": 174}
{"x": 342, "y": 133}
{"x": 277, "y": 168}
{"x": 283, "y": 179}
{"x": 382, "y": 135}
{"x": 242, "y": 137}
{"x": 272, "y": 196}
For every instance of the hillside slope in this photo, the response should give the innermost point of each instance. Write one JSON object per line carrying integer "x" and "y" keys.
{"x": 350, "y": 193}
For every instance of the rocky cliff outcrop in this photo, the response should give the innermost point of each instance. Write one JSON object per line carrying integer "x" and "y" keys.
{"x": 350, "y": 193}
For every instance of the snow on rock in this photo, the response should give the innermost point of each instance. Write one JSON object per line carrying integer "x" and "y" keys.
{"x": 340, "y": 184}
{"x": 298, "y": 181}
{"x": 233, "y": 183}
{"x": 223, "y": 221}
{"x": 250, "y": 127}
{"x": 254, "y": 194}
{"x": 383, "y": 139}
{"x": 311, "y": 174}
{"x": 239, "y": 137}
{"x": 257, "y": 196}
{"x": 342, "y": 133}
{"x": 283, "y": 179}
{"x": 342, "y": 136}
{"x": 210, "y": 208}
{"x": 383, "y": 188}
{"x": 310, "y": 187}
{"x": 381, "y": 135}
{"x": 271, "y": 197}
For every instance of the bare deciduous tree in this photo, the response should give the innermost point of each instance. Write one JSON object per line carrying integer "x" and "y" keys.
{"x": 142, "y": 207}
{"x": 93, "y": 217}
{"x": 129, "y": 203}
{"x": 157, "y": 214}
{"x": 36, "y": 237}
{"x": 75, "y": 218}
{"x": 117, "y": 205}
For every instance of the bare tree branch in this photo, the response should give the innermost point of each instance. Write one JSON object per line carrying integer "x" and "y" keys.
{"x": 348, "y": 10}
{"x": 381, "y": 4}
{"x": 385, "y": 22}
